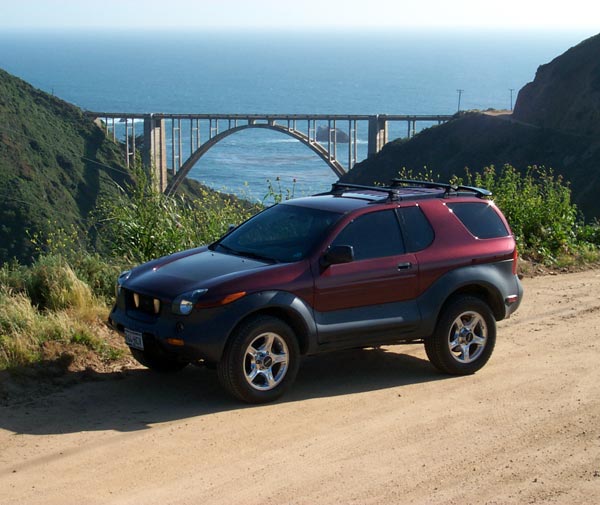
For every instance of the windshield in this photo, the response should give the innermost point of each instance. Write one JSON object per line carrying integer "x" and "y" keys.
{"x": 280, "y": 233}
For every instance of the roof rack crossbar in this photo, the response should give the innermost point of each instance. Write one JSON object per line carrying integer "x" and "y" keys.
{"x": 480, "y": 192}
{"x": 393, "y": 193}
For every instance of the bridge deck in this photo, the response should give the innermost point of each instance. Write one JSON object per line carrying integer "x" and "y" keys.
{"x": 297, "y": 117}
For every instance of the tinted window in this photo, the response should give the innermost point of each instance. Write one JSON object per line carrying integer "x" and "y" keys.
{"x": 418, "y": 233}
{"x": 282, "y": 232}
{"x": 373, "y": 235}
{"x": 480, "y": 219}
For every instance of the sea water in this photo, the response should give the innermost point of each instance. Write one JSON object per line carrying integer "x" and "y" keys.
{"x": 232, "y": 71}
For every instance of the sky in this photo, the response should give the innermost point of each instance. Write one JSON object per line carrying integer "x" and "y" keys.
{"x": 577, "y": 15}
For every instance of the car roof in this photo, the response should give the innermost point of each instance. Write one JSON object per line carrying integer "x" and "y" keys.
{"x": 332, "y": 203}
{"x": 349, "y": 197}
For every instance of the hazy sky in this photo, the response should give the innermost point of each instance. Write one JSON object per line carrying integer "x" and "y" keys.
{"x": 536, "y": 14}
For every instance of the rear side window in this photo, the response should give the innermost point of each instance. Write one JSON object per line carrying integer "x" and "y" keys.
{"x": 418, "y": 233}
{"x": 481, "y": 219}
{"x": 373, "y": 235}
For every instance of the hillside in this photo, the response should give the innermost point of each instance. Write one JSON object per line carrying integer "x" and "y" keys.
{"x": 565, "y": 94}
{"x": 54, "y": 165}
{"x": 556, "y": 123}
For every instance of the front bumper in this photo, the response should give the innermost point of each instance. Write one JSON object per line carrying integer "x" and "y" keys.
{"x": 201, "y": 335}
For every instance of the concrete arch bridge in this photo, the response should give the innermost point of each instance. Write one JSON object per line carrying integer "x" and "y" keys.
{"x": 174, "y": 143}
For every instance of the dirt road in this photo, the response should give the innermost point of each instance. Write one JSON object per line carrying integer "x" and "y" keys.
{"x": 364, "y": 427}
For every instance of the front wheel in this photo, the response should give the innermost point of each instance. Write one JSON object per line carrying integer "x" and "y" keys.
{"x": 261, "y": 361}
{"x": 464, "y": 337}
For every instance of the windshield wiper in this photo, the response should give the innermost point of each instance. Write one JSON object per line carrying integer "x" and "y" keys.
{"x": 246, "y": 254}
{"x": 228, "y": 249}
{"x": 257, "y": 256}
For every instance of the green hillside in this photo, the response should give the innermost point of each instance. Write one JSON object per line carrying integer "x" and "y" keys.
{"x": 54, "y": 165}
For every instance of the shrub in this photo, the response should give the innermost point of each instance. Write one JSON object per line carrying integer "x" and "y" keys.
{"x": 537, "y": 205}
{"x": 143, "y": 223}
{"x": 98, "y": 272}
{"x": 52, "y": 284}
{"x": 277, "y": 193}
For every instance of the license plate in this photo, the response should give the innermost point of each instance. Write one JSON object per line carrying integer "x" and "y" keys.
{"x": 134, "y": 339}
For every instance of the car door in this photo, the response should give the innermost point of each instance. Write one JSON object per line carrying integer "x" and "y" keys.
{"x": 372, "y": 297}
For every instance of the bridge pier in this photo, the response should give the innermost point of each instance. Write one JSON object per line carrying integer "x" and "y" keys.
{"x": 378, "y": 134}
{"x": 154, "y": 153}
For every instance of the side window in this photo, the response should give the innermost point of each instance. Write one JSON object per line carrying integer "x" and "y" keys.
{"x": 481, "y": 219}
{"x": 373, "y": 235}
{"x": 418, "y": 233}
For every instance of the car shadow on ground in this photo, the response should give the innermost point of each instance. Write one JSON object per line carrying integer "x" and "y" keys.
{"x": 140, "y": 398}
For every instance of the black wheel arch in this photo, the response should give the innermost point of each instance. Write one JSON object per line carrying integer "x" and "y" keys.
{"x": 486, "y": 293}
{"x": 284, "y": 306}
{"x": 490, "y": 282}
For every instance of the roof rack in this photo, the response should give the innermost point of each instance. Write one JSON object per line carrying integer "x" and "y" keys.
{"x": 393, "y": 191}
{"x": 340, "y": 187}
{"x": 480, "y": 192}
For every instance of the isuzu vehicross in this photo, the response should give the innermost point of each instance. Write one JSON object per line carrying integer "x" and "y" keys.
{"x": 359, "y": 266}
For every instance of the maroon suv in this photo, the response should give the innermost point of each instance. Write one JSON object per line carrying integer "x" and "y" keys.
{"x": 358, "y": 266}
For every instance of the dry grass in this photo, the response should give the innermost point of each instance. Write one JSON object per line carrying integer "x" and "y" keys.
{"x": 46, "y": 310}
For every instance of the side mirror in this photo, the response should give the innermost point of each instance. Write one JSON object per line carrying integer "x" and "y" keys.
{"x": 337, "y": 254}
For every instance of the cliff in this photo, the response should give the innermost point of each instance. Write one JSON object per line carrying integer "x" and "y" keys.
{"x": 556, "y": 123}
{"x": 565, "y": 94}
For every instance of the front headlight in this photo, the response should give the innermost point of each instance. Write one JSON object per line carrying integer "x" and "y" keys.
{"x": 184, "y": 304}
{"x": 123, "y": 276}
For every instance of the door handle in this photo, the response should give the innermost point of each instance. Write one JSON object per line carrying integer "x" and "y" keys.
{"x": 404, "y": 266}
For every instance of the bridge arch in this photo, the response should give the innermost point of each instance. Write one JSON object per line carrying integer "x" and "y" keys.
{"x": 154, "y": 149}
{"x": 184, "y": 170}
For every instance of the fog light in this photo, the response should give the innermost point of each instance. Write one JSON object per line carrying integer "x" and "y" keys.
{"x": 156, "y": 303}
{"x": 175, "y": 341}
{"x": 136, "y": 300}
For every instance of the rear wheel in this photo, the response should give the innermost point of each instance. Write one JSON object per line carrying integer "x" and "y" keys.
{"x": 261, "y": 361}
{"x": 464, "y": 337}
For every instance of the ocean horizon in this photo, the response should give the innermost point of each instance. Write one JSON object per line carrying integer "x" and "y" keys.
{"x": 291, "y": 72}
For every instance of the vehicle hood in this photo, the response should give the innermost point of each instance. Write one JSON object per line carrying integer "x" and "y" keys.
{"x": 171, "y": 276}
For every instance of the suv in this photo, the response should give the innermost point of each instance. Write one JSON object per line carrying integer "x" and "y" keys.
{"x": 359, "y": 266}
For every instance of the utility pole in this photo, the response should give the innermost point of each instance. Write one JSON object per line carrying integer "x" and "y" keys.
{"x": 511, "y": 96}
{"x": 460, "y": 92}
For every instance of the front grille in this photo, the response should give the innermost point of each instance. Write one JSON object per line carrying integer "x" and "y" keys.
{"x": 142, "y": 303}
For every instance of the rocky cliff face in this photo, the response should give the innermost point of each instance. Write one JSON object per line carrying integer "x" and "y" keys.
{"x": 556, "y": 124}
{"x": 565, "y": 94}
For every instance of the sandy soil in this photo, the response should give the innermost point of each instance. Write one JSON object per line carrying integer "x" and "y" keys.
{"x": 364, "y": 427}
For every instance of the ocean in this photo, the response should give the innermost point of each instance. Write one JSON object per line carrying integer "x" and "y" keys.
{"x": 339, "y": 72}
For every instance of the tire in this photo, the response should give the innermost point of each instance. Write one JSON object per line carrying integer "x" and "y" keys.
{"x": 261, "y": 360}
{"x": 157, "y": 361}
{"x": 464, "y": 337}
